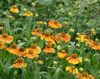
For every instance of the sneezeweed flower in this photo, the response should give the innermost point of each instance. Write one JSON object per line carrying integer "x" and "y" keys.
{"x": 19, "y": 63}
{"x": 54, "y": 24}
{"x": 14, "y": 9}
{"x": 37, "y": 32}
{"x": 28, "y": 13}
{"x": 94, "y": 45}
{"x": 30, "y": 53}
{"x": 36, "y": 48}
{"x": 47, "y": 37}
{"x": 48, "y": 49}
{"x": 66, "y": 37}
{"x": 74, "y": 59}
{"x": 63, "y": 37}
{"x": 62, "y": 54}
{"x": 12, "y": 49}
{"x": 2, "y": 45}
{"x": 82, "y": 37}
{"x": 6, "y": 38}
{"x": 84, "y": 75}
{"x": 72, "y": 69}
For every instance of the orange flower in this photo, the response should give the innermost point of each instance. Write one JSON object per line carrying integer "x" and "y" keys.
{"x": 30, "y": 53}
{"x": 62, "y": 54}
{"x": 49, "y": 49}
{"x": 63, "y": 37}
{"x": 19, "y": 63}
{"x": 14, "y": 9}
{"x": 72, "y": 69}
{"x": 28, "y": 13}
{"x": 66, "y": 37}
{"x": 37, "y": 32}
{"x": 2, "y": 45}
{"x": 48, "y": 37}
{"x": 74, "y": 59}
{"x": 36, "y": 48}
{"x": 13, "y": 49}
{"x": 6, "y": 38}
{"x": 58, "y": 37}
{"x": 84, "y": 75}
{"x": 54, "y": 24}
{"x": 94, "y": 45}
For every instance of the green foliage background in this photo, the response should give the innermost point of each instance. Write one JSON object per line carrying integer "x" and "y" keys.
{"x": 82, "y": 15}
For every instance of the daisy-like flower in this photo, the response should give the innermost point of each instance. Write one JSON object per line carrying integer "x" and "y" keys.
{"x": 74, "y": 59}
{"x": 12, "y": 49}
{"x": 2, "y": 45}
{"x": 84, "y": 75}
{"x": 48, "y": 49}
{"x": 28, "y": 13}
{"x": 62, "y": 54}
{"x": 72, "y": 69}
{"x": 94, "y": 45}
{"x": 37, "y": 32}
{"x": 6, "y": 38}
{"x": 36, "y": 48}
{"x": 54, "y": 24}
{"x": 63, "y": 37}
{"x": 82, "y": 38}
{"x": 66, "y": 37}
{"x": 14, "y": 9}
{"x": 30, "y": 53}
{"x": 19, "y": 63}
{"x": 48, "y": 37}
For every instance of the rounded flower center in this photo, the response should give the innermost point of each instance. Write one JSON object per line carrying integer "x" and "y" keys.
{"x": 21, "y": 49}
{"x": 74, "y": 56}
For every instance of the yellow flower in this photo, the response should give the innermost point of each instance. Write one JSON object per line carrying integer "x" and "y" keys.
{"x": 2, "y": 45}
{"x": 30, "y": 53}
{"x": 28, "y": 13}
{"x": 72, "y": 69}
{"x": 6, "y": 38}
{"x": 48, "y": 37}
{"x": 19, "y": 63}
{"x": 84, "y": 75}
{"x": 63, "y": 37}
{"x": 74, "y": 59}
{"x": 82, "y": 37}
{"x": 14, "y": 9}
{"x": 37, "y": 32}
{"x": 54, "y": 24}
{"x": 48, "y": 49}
{"x": 36, "y": 48}
{"x": 62, "y": 54}
{"x": 94, "y": 45}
